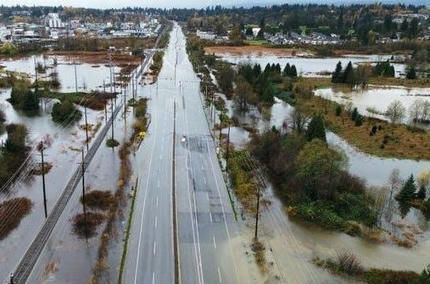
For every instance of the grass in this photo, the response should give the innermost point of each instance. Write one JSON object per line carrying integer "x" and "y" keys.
{"x": 37, "y": 170}
{"x": 127, "y": 233}
{"x": 93, "y": 220}
{"x": 94, "y": 100}
{"x": 399, "y": 141}
{"x": 389, "y": 81}
{"x": 348, "y": 265}
{"x": 9, "y": 221}
{"x": 256, "y": 42}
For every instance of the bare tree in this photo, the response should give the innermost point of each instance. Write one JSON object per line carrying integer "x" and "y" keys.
{"x": 396, "y": 111}
{"x": 415, "y": 110}
{"x": 394, "y": 184}
{"x": 425, "y": 112}
{"x": 298, "y": 120}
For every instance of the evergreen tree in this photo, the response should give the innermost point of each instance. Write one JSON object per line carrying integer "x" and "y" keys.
{"x": 268, "y": 94}
{"x": 287, "y": 70}
{"x": 257, "y": 70}
{"x": 348, "y": 75}
{"x": 422, "y": 193}
{"x": 411, "y": 74}
{"x": 293, "y": 71}
{"x": 278, "y": 68}
{"x": 336, "y": 76}
{"x": 316, "y": 129}
{"x": 354, "y": 114}
{"x": 408, "y": 191}
{"x": 267, "y": 68}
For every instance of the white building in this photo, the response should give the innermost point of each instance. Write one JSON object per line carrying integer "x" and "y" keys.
{"x": 206, "y": 35}
{"x": 52, "y": 20}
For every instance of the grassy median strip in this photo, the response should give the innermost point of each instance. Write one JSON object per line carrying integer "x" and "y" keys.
{"x": 127, "y": 233}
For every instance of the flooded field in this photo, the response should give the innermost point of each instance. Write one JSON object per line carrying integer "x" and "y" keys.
{"x": 309, "y": 66}
{"x": 377, "y": 98}
{"x": 88, "y": 76}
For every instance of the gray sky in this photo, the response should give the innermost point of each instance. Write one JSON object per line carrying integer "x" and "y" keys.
{"x": 185, "y": 3}
{"x": 134, "y": 3}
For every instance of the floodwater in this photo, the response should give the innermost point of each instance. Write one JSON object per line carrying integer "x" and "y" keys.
{"x": 309, "y": 66}
{"x": 64, "y": 153}
{"x": 88, "y": 76}
{"x": 378, "y": 98}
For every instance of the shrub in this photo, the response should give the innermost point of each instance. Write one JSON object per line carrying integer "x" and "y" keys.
{"x": 98, "y": 199}
{"x": 65, "y": 111}
{"x": 338, "y": 110}
{"x": 349, "y": 263}
{"x": 11, "y": 213}
{"x": 112, "y": 143}
{"x": 93, "y": 220}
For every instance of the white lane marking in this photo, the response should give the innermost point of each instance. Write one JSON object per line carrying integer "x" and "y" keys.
{"x": 214, "y": 241}
{"x": 144, "y": 201}
{"x": 158, "y": 184}
{"x": 223, "y": 211}
{"x": 203, "y": 167}
{"x": 156, "y": 222}
{"x": 207, "y": 195}
{"x": 156, "y": 202}
{"x": 160, "y": 157}
{"x": 153, "y": 277}
{"x": 154, "y": 247}
{"x": 204, "y": 180}
{"x": 210, "y": 216}
{"x": 219, "y": 275}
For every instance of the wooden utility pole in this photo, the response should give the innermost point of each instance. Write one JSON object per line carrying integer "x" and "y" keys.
{"x": 43, "y": 180}
{"x": 228, "y": 141}
{"x": 257, "y": 214}
{"x": 83, "y": 195}
{"x": 111, "y": 107}
{"x": 86, "y": 126}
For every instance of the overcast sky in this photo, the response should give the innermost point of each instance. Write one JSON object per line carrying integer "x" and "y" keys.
{"x": 180, "y": 3}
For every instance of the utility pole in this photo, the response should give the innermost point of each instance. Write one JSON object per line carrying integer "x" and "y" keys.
{"x": 111, "y": 107}
{"x": 125, "y": 103}
{"x": 83, "y": 195}
{"x": 228, "y": 141}
{"x": 256, "y": 215}
{"x": 86, "y": 125}
{"x": 105, "y": 101}
{"x": 43, "y": 179}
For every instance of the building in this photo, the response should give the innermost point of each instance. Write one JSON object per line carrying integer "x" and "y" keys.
{"x": 53, "y": 21}
{"x": 206, "y": 35}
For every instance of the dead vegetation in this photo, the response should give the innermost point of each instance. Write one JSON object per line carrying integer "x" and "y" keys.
{"x": 38, "y": 171}
{"x": 98, "y": 199}
{"x": 20, "y": 207}
{"x": 93, "y": 220}
{"x": 259, "y": 251}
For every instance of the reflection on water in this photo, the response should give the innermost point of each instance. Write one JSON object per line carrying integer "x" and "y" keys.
{"x": 377, "y": 98}
{"x": 310, "y": 67}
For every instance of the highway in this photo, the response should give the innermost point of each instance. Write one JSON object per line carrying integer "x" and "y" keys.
{"x": 206, "y": 230}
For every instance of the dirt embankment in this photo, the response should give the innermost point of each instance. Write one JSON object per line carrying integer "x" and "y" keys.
{"x": 259, "y": 50}
{"x": 97, "y": 57}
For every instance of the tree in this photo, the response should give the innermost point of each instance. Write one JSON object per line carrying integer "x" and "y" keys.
{"x": 407, "y": 193}
{"x": 413, "y": 28}
{"x": 293, "y": 71}
{"x": 244, "y": 93}
{"x": 318, "y": 168}
{"x": 287, "y": 70}
{"x": 411, "y": 74}
{"x": 338, "y": 110}
{"x": 336, "y": 76}
{"x": 348, "y": 74}
{"x": 65, "y": 111}
{"x": 415, "y": 110}
{"x": 316, "y": 129}
{"x": 16, "y": 137}
{"x": 225, "y": 78}
{"x": 298, "y": 120}
{"x": 8, "y": 49}
{"x": 395, "y": 111}
{"x": 422, "y": 193}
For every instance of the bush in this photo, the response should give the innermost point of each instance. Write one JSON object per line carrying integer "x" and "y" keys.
{"x": 11, "y": 213}
{"x": 97, "y": 199}
{"x": 23, "y": 98}
{"x": 93, "y": 220}
{"x": 338, "y": 110}
{"x": 112, "y": 143}
{"x": 65, "y": 111}
{"x": 348, "y": 263}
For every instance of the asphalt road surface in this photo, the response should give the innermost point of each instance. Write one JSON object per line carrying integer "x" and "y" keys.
{"x": 205, "y": 222}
